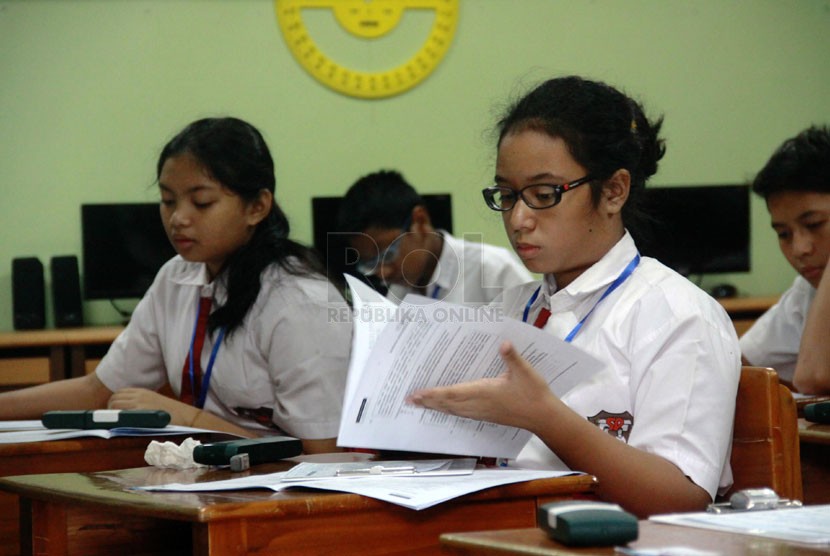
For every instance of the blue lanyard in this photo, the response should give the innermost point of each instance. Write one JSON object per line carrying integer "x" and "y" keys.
{"x": 200, "y": 403}
{"x": 435, "y": 291}
{"x": 614, "y": 285}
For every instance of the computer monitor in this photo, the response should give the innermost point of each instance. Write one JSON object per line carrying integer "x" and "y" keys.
{"x": 334, "y": 249}
{"x": 123, "y": 247}
{"x": 698, "y": 229}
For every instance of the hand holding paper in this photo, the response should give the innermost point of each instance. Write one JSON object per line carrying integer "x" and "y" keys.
{"x": 513, "y": 398}
{"x": 425, "y": 344}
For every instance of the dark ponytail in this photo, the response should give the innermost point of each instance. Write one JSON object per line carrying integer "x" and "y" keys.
{"x": 604, "y": 129}
{"x": 234, "y": 153}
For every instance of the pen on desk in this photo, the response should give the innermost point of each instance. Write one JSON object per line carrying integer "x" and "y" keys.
{"x": 377, "y": 470}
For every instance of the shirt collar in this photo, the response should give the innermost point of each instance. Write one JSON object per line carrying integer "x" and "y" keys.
{"x": 187, "y": 273}
{"x": 447, "y": 270}
{"x": 600, "y": 275}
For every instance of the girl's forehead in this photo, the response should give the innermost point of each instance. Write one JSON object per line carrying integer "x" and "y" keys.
{"x": 533, "y": 153}
{"x": 186, "y": 172}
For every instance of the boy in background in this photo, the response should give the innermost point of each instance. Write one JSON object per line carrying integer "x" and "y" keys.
{"x": 792, "y": 336}
{"x": 395, "y": 240}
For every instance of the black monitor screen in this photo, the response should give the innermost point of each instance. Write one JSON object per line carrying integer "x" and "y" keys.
{"x": 698, "y": 229}
{"x": 334, "y": 248}
{"x": 124, "y": 245}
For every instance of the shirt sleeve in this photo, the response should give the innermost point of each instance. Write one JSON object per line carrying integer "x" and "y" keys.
{"x": 774, "y": 339}
{"x": 135, "y": 357}
{"x": 684, "y": 389}
{"x": 308, "y": 347}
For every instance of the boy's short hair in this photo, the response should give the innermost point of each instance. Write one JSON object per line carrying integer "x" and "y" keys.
{"x": 801, "y": 163}
{"x": 381, "y": 199}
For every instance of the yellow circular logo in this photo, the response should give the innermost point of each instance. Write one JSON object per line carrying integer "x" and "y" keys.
{"x": 368, "y": 19}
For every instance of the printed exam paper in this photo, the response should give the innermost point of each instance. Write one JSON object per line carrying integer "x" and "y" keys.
{"x": 426, "y": 343}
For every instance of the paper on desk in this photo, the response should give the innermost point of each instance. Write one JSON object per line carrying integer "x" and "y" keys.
{"x": 31, "y": 425}
{"x": 416, "y": 493}
{"x": 310, "y": 471}
{"x": 42, "y": 434}
{"x": 806, "y": 524}
{"x": 425, "y": 343}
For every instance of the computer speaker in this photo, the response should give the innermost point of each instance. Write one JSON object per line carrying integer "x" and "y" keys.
{"x": 28, "y": 294}
{"x": 66, "y": 291}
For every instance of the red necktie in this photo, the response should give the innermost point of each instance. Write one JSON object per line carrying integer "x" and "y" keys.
{"x": 542, "y": 319}
{"x": 188, "y": 395}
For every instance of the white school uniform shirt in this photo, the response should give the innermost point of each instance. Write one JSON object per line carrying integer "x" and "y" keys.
{"x": 672, "y": 363}
{"x": 469, "y": 273}
{"x": 774, "y": 339}
{"x": 282, "y": 371}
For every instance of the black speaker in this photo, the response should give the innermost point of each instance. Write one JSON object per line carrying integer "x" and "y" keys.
{"x": 28, "y": 294}
{"x": 66, "y": 291}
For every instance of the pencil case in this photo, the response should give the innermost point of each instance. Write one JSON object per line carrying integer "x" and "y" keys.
{"x": 257, "y": 450}
{"x": 817, "y": 412}
{"x": 106, "y": 419}
{"x": 586, "y": 523}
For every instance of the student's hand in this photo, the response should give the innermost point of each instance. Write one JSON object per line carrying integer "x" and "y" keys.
{"x": 517, "y": 397}
{"x": 181, "y": 414}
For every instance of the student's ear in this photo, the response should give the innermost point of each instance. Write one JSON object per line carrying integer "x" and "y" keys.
{"x": 616, "y": 190}
{"x": 420, "y": 220}
{"x": 259, "y": 208}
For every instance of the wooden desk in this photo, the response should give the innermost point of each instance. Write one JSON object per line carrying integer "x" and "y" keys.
{"x": 94, "y": 514}
{"x": 37, "y": 356}
{"x": 652, "y": 535}
{"x": 745, "y": 310}
{"x": 78, "y": 454}
{"x": 815, "y": 461}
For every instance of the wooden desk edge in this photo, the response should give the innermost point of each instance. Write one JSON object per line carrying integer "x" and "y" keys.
{"x": 744, "y": 305}
{"x": 60, "y": 336}
{"x": 813, "y": 433}
{"x": 652, "y": 535}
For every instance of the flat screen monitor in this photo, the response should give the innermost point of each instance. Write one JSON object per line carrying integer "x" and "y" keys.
{"x": 123, "y": 247}
{"x": 699, "y": 229}
{"x": 334, "y": 249}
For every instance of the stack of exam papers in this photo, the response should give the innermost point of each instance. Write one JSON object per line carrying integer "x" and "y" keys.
{"x": 416, "y": 491}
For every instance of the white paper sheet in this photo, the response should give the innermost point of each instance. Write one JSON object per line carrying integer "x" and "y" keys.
{"x": 371, "y": 313}
{"x": 32, "y": 425}
{"x": 310, "y": 471}
{"x": 425, "y": 343}
{"x": 41, "y": 434}
{"x": 411, "y": 492}
{"x": 807, "y": 524}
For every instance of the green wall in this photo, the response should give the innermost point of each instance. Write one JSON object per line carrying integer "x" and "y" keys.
{"x": 91, "y": 89}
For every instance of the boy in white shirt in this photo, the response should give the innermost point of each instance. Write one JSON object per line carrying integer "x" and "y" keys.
{"x": 791, "y": 336}
{"x": 394, "y": 237}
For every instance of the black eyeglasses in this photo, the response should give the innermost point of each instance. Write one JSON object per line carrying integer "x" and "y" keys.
{"x": 369, "y": 267}
{"x": 538, "y": 196}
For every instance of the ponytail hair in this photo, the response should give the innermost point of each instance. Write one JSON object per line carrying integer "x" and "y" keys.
{"x": 605, "y": 131}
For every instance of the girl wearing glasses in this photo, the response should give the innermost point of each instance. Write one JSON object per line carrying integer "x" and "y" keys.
{"x": 237, "y": 323}
{"x": 572, "y": 157}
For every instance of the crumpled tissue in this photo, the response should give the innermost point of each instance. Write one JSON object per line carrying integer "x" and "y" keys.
{"x": 169, "y": 455}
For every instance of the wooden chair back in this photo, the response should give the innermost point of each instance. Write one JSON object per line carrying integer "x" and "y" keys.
{"x": 765, "y": 448}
